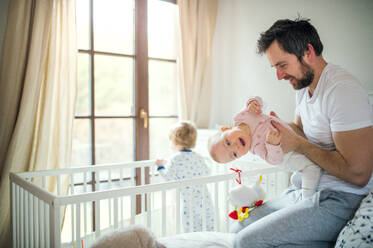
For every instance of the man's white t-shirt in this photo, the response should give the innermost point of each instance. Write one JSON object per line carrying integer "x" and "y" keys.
{"x": 339, "y": 103}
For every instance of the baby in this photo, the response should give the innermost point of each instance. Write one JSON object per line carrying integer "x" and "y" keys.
{"x": 254, "y": 132}
{"x": 184, "y": 164}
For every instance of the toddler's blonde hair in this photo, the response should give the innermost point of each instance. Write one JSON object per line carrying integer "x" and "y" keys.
{"x": 183, "y": 134}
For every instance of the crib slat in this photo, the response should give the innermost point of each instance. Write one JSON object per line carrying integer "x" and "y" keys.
{"x": 97, "y": 207}
{"x": 55, "y": 225}
{"x": 121, "y": 212}
{"x": 27, "y": 216}
{"x": 31, "y": 211}
{"x": 217, "y": 218}
{"x": 72, "y": 222}
{"x": 78, "y": 243}
{"x": 115, "y": 213}
{"x": 121, "y": 198}
{"x": 142, "y": 195}
{"x": 133, "y": 208}
{"x": 85, "y": 218}
{"x": 97, "y": 218}
{"x": 163, "y": 213}
{"x": 72, "y": 189}
{"x": 18, "y": 205}
{"x": 46, "y": 224}
{"x": 143, "y": 203}
{"x": 226, "y": 205}
{"x": 36, "y": 222}
{"x": 204, "y": 209}
{"x": 13, "y": 213}
{"x": 149, "y": 210}
{"x": 19, "y": 236}
{"x": 177, "y": 210}
{"x": 18, "y": 219}
{"x": 109, "y": 200}
{"x": 110, "y": 212}
{"x": 41, "y": 223}
{"x": 22, "y": 236}
{"x": 85, "y": 204}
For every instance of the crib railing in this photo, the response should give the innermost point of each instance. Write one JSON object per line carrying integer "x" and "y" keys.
{"x": 37, "y": 214}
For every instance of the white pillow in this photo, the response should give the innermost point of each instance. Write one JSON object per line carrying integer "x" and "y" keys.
{"x": 358, "y": 232}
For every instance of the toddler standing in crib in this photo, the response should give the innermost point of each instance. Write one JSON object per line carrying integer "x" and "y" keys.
{"x": 254, "y": 132}
{"x": 183, "y": 164}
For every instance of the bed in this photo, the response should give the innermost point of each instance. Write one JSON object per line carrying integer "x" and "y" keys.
{"x": 199, "y": 240}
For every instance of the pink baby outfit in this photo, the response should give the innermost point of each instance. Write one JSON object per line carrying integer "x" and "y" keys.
{"x": 260, "y": 126}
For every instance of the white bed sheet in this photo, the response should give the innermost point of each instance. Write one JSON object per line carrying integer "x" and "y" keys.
{"x": 199, "y": 240}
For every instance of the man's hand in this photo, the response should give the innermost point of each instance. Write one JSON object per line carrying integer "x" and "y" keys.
{"x": 290, "y": 141}
{"x": 273, "y": 137}
{"x": 254, "y": 107}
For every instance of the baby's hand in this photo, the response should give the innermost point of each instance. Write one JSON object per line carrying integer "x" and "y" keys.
{"x": 254, "y": 107}
{"x": 160, "y": 162}
{"x": 273, "y": 137}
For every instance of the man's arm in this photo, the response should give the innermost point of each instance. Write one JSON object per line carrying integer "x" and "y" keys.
{"x": 352, "y": 161}
{"x": 297, "y": 126}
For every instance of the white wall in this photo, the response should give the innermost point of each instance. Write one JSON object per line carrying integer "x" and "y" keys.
{"x": 345, "y": 28}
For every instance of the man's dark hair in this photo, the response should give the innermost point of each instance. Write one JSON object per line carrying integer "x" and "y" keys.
{"x": 293, "y": 37}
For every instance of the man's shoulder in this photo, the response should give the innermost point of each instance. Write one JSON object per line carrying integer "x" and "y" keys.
{"x": 336, "y": 76}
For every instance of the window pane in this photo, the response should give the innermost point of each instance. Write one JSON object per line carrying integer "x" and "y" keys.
{"x": 82, "y": 19}
{"x": 84, "y": 93}
{"x": 161, "y": 29}
{"x": 114, "y": 140}
{"x": 114, "y": 26}
{"x": 113, "y": 85}
{"x": 158, "y": 134}
{"x": 81, "y": 147}
{"x": 162, "y": 88}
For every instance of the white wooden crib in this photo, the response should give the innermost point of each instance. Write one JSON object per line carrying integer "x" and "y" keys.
{"x": 115, "y": 202}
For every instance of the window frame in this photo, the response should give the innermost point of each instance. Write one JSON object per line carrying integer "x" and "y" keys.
{"x": 141, "y": 90}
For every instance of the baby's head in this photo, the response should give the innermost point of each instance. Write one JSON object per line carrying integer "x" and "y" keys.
{"x": 183, "y": 135}
{"x": 229, "y": 143}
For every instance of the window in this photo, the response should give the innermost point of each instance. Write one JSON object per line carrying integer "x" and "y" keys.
{"x": 126, "y": 64}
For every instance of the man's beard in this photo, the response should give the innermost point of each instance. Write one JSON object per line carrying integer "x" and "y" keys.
{"x": 306, "y": 80}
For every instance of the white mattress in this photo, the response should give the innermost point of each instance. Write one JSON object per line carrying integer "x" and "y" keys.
{"x": 199, "y": 240}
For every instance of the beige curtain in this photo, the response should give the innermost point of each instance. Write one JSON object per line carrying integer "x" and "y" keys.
{"x": 38, "y": 90}
{"x": 197, "y": 25}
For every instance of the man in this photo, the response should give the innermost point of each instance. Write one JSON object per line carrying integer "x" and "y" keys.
{"x": 333, "y": 127}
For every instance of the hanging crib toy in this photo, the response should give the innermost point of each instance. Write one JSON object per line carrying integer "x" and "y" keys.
{"x": 245, "y": 198}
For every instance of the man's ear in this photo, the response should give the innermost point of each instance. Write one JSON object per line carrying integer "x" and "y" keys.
{"x": 309, "y": 54}
{"x": 224, "y": 128}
